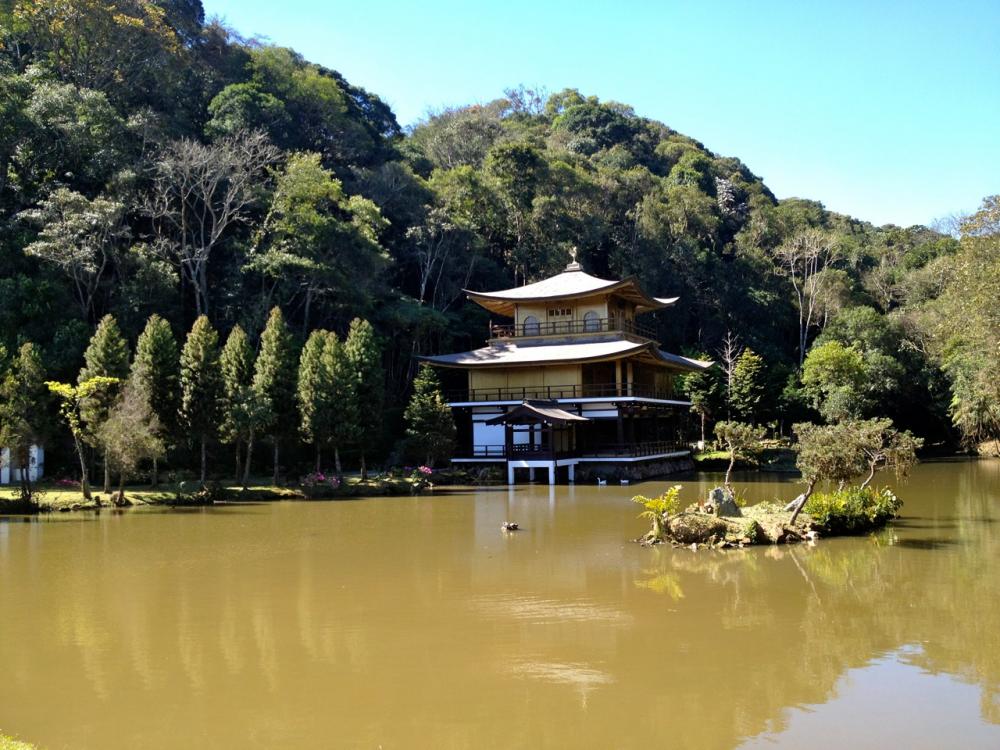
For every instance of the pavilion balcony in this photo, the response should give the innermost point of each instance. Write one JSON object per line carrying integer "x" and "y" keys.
{"x": 571, "y": 327}
{"x": 561, "y": 393}
{"x": 595, "y": 452}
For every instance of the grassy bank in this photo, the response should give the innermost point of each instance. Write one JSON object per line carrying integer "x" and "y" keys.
{"x": 58, "y": 498}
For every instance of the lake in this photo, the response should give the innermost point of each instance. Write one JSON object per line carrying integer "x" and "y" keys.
{"x": 418, "y": 623}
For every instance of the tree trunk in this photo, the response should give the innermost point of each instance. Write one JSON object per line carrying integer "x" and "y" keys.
{"x": 305, "y": 313}
{"x": 800, "y": 502}
{"x": 239, "y": 468}
{"x": 336, "y": 461}
{"x": 274, "y": 479}
{"x": 729, "y": 469}
{"x": 84, "y": 477}
{"x": 107, "y": 475}
{"x": 156, "y": 473}
{"x": 26, "y": 492}
{"x": 246, "y": 466}
{"x": 364, "y": 468}
{"x": 120, "y": 498}
{"x": 871, "y": 476}
{"x": 204, "y": 457}
{"x": 203, "y": 288}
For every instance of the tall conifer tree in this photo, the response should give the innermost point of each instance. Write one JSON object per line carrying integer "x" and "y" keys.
{"x": 201, "y": 385}
{"x": 315, "y": 391}
{"x": 274, "y": 383}
{"x": 106, "y": 357}
{"x": 430, "y": 427}
{"x": 747, "y": 390}
{"x": 344, "y": 414}
{"x": 156, "y": 375}
{"x": 365, "y": 357}
{"x": 238, "y": 409}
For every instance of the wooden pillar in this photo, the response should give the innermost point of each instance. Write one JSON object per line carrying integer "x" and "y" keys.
{"x": 630, "y": 379}
{"x": 618, "y": 377}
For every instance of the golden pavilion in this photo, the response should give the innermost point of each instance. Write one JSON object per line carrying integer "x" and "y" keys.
{"x": 574, "y": 378}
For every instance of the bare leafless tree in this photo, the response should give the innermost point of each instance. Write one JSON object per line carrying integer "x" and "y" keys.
{"x": 730, "y": 353}
{"x": 803, "y": 258}
{"x": 199, "y": 192}
{"x": 435, "y": 242}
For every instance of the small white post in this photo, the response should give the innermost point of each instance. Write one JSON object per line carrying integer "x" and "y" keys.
{"x": 510, "y": 473}
{"x": 572, "y": 473}
{"x": 552, "y": 473}
{"x": 531, "y": 474}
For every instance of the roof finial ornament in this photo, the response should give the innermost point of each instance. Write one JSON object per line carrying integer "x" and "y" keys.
{"x": 574, "y": 265}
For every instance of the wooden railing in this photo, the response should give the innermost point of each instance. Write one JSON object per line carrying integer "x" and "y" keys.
{"x": 565, "y": 327}
{"x": 632, "y": 450}
{"x": 608, "y": 450}
{"x": 555, "y": 392}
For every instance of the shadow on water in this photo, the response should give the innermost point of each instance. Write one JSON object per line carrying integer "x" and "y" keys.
{"x": 926, "y": 544}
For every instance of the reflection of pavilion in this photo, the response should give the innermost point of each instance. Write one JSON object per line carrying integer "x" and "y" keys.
{"x": 573, "y": 379}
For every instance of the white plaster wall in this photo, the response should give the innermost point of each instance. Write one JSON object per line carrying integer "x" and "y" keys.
{"x": 36, "y": 466}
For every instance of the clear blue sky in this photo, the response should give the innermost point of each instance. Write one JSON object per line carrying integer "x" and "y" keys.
{"x": 889, "y": 111}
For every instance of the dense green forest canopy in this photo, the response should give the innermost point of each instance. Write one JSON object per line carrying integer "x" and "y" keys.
{"x": 153, "y": 161}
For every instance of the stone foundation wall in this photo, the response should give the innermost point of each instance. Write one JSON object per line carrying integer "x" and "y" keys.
{"x": 633, "y": 472}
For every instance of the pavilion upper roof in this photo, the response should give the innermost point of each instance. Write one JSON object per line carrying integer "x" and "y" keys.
{"x": 573, "y": 283}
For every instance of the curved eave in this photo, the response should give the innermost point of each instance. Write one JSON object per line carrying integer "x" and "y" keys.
{"x": 683, "y": 363}
{"x": 504, "y": 302}
{"x": 649, "y": 349}
{"x": 445, "y": 361}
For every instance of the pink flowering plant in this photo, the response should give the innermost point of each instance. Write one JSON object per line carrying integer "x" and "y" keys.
{"x": 421, "y": 476}
{"x": 319, "y": 484}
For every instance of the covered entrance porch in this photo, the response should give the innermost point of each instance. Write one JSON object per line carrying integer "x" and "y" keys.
{"x": 539, "y": 435}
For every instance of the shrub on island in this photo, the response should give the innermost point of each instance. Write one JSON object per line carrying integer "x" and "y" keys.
{"x": 852, "y": 510}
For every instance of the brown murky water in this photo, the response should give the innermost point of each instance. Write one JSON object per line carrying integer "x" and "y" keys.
{"x": 416, "y": 623}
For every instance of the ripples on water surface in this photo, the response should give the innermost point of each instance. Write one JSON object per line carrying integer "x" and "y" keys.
{"x": 417, "y": 623}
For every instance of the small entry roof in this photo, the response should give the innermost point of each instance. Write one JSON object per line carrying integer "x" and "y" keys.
{"x": 537, "y": 411}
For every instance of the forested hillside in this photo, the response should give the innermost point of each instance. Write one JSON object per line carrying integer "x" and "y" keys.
{"x": 155, "y": 162}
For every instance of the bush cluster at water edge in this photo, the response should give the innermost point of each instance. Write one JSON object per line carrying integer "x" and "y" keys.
{"x": 852, "y": 510}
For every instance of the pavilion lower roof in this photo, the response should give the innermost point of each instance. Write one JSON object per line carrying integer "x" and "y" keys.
{"x": 510, "y": 354}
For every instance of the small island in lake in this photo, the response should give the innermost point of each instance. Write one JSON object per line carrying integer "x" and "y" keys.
{"x": 837, "y": 453}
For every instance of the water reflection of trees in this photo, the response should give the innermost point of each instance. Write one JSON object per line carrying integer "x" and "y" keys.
{"x": 818, "y": 611}
{"x": 305, "y": 629}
